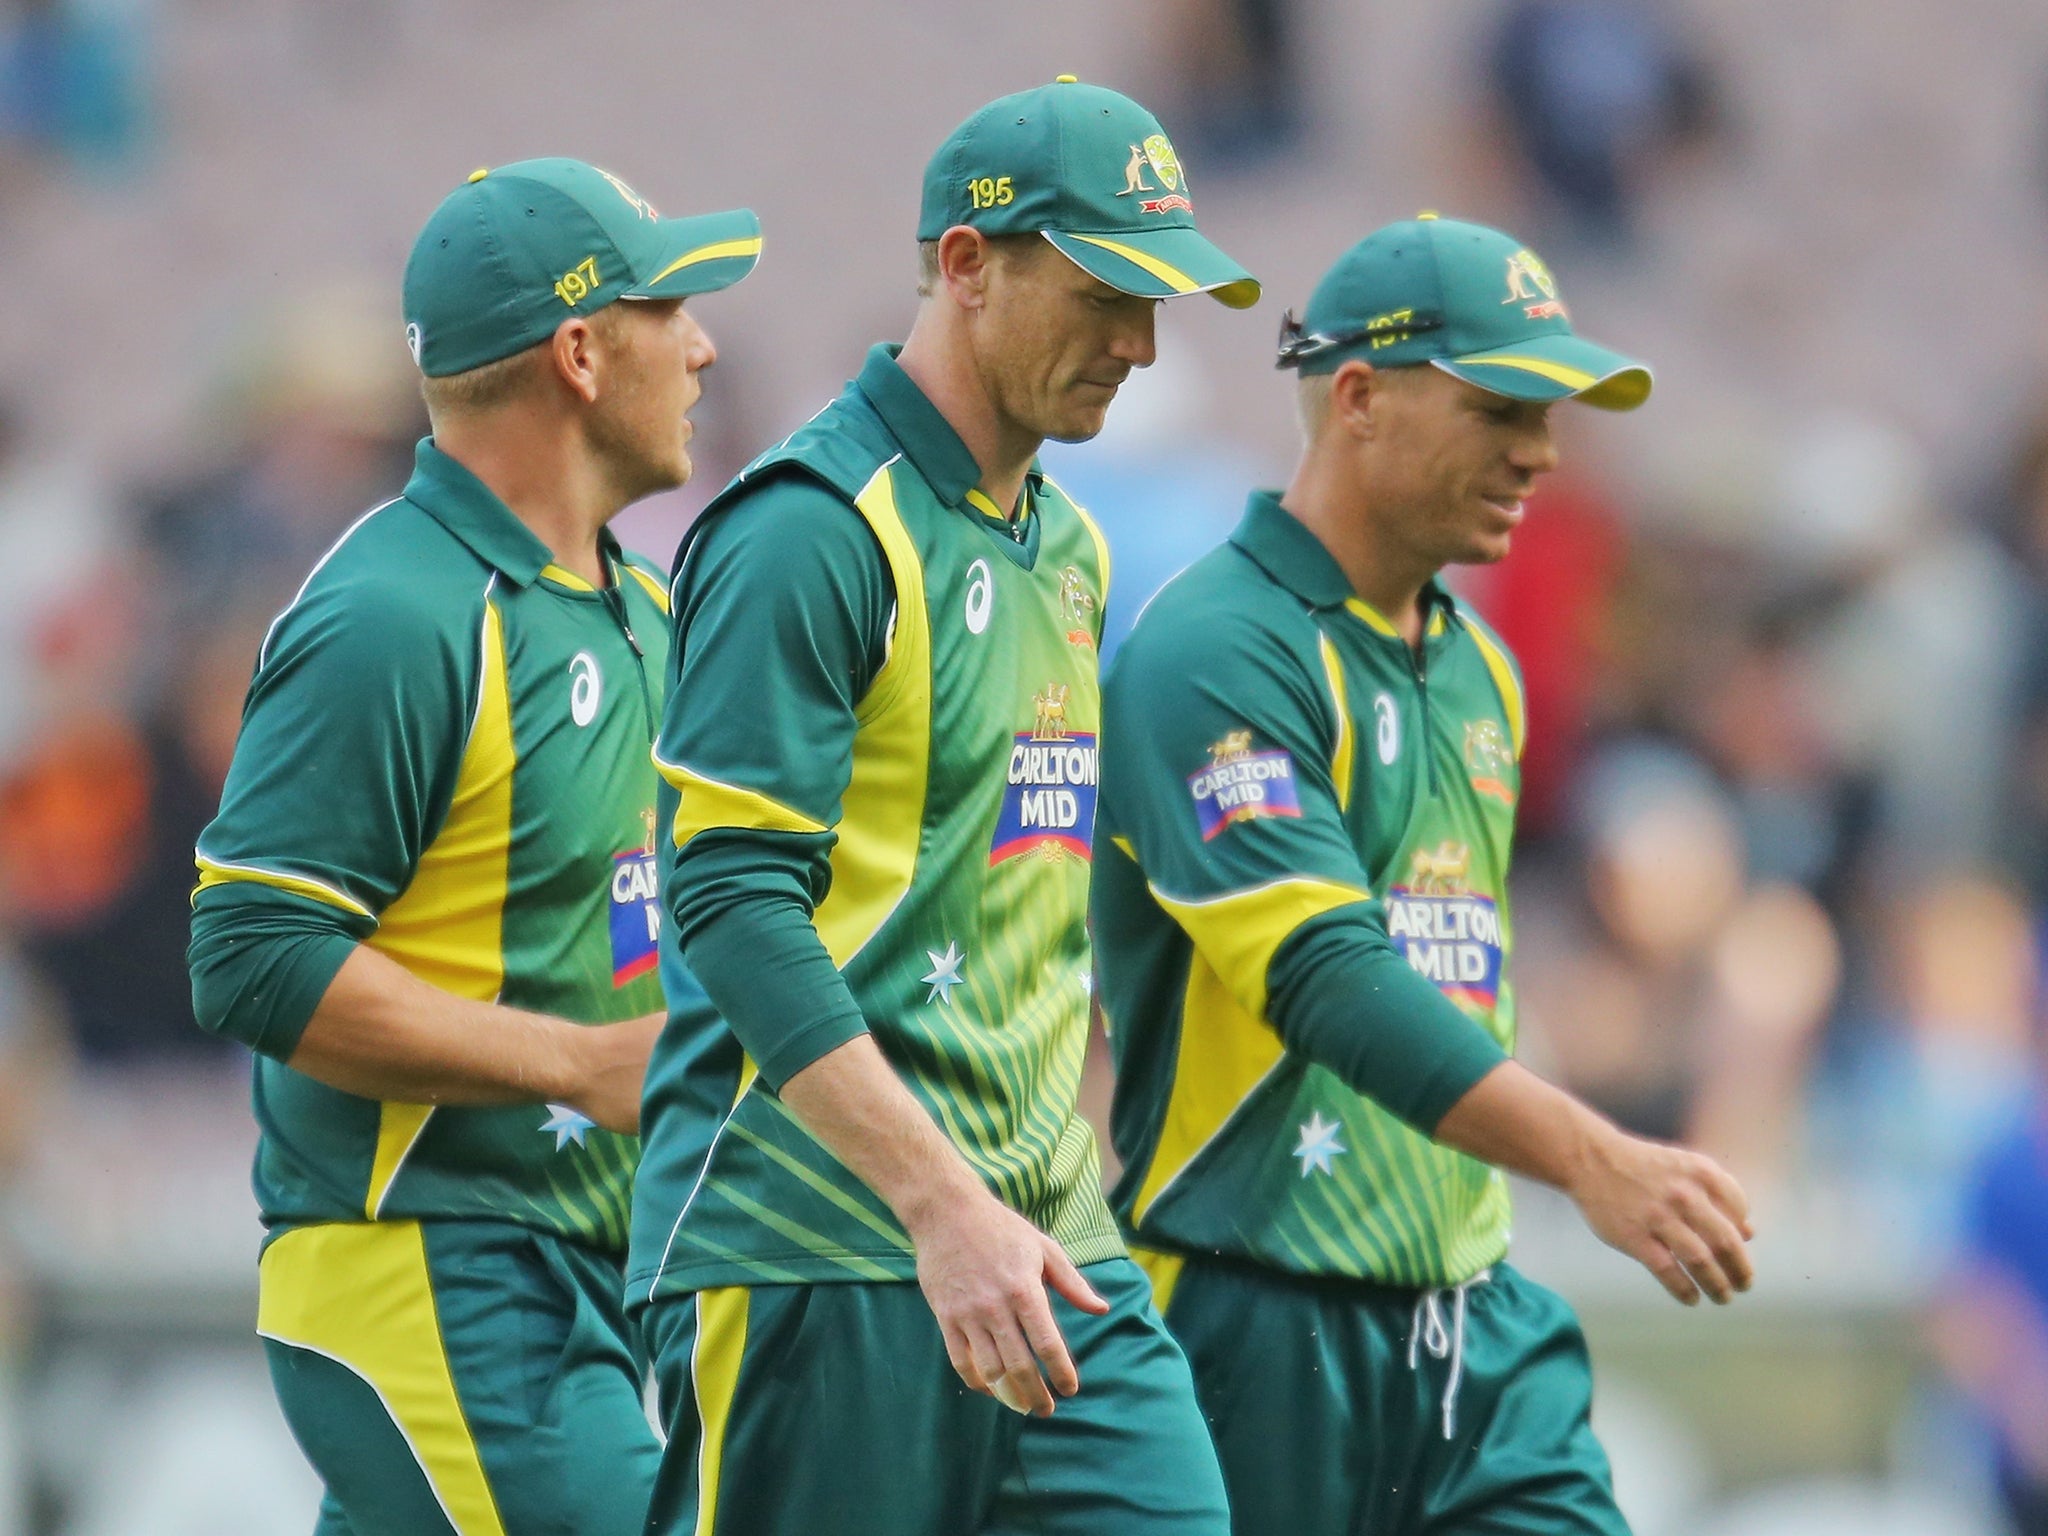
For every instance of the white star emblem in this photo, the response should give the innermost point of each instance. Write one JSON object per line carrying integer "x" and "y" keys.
{"x": 568, "y": 1125}
{"x": 944, "y": 975}
{"x": 1319, "y": 1144}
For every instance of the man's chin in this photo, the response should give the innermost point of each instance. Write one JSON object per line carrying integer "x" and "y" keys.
{"x": 1079, "y": 427}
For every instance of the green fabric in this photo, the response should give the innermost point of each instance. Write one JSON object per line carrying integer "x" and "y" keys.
{"x": 1324, "y": 1427}
{"x": 513, "y": 252}
{"x": 847, "y": 1417}
{"x": 1472, "y": 298}
{"x": 544, "y": 1371}
{"x": 364, "y": 703}
{"x": 999, "y": 836}
{"x": 1070, "y": 161}
{"x": 1377, "y": 908}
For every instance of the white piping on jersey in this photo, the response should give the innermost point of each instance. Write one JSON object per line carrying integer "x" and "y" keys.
{"x": 702, "y": 1174}
{"x": 483, "y": 663}
{"x": 263, "y": 655}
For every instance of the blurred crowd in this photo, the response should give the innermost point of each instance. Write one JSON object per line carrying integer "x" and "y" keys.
{"x": 1784, "y": 841}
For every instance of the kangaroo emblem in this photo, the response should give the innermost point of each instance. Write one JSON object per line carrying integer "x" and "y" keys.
{"x": 1134, "y": 173}
{"x": 1051, "y": 722}
{"x": 1441, "y": 873}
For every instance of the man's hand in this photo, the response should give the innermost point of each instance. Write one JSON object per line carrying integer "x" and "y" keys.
{"x": 610, "y": 1064}
{"x": 984, "y": 1270}
{"x": 1679, "y": 1214}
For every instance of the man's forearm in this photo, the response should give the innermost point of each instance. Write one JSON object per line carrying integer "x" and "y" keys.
{"x": 852, "y": 1100}
{"x": 1515, "y": 1120}
{"x": 381, "y": 1032}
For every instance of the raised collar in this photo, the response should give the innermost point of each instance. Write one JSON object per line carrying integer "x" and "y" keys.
{"x": 1280, "y": 544}
{"x": 928, "y": 440}
{"x": 470, "y": 510}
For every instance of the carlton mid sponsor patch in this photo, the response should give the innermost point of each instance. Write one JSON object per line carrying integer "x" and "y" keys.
{"x": 1049, "y": 796}
{"x": 1241, "y": 785}
{"x": 1449, "y": 934}
{"x": 635, "y": 910}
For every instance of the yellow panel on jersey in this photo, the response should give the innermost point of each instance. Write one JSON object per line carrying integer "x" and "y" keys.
{"x": 1163, "y": 1270}
{"x": 1340, "y": 754}
{"x": 1504, "y": 679}
{"x": 715, "y": 1376}
{"x": 881, "y": 820}
{"x": 215, "y": 872}
{"x": 361, "y": 1297}
{"x": 398, "y": 1129}
{"x": 1238, "y": 933}
{"x": 706, "y": 804}
{"x": 654, "y": 588}
{"x": 1233, "y": 1050}
{"x": 448, "y": 926}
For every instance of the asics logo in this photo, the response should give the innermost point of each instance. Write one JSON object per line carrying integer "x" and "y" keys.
{"x": 586, "y": 688}
{"x": 981, "y": 596}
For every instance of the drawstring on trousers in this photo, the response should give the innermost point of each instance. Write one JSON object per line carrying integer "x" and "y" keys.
{"x": 1444, "y": 1341}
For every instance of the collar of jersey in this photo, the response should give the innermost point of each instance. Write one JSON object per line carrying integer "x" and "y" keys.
{"x": 928, "y": 440}
{"x": 1281, "y": 545}
{"x": 470, "y": 510}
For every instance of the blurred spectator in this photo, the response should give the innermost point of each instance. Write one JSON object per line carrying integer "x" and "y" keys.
{"x": 1597, "y": 97}
{"x": 316, "y": 412}
{"x": 1239, "y": 80}
{"x": 2023, "y": 843}
{"x": 72, "y": 79}
{"x": 1991, "y": 1321}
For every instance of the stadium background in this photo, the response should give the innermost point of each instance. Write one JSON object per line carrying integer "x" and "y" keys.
{"x": 1786, "y": 631}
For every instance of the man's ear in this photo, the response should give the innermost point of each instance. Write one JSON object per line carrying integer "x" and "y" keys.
{"x": 1356, "y": 389}
{"x": 576, "y": 354}
{"x": 965, "y": 259}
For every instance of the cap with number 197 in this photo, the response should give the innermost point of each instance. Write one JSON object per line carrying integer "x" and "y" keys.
{"x": 513, "y": 252}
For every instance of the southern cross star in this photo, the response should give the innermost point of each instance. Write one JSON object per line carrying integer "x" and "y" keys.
{"x": 568, "y": 1125}
{"x": 944, "y": 975}
{"x": 1319, "y": 1144}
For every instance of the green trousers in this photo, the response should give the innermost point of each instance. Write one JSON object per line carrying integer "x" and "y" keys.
{"x": 458, "y": 1379}
{"x": 832, "y": 1410}
{"x": 1342, "y": 1409}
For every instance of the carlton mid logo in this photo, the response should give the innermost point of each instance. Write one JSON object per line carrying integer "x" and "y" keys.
{"x": 1450, "y": 935}
{"x": 1049, "y": 790}
{"x": 635, "y": 909}
{"x": 1242, "y": 785}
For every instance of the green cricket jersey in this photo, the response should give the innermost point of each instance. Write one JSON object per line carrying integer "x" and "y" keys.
{"x": 1301, "y": 915}
{"x": 880, "y": 764}
{"x": 444, "y": 757}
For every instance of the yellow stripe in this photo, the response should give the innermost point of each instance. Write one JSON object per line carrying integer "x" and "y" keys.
{"x": 360, "y": 1295}
{"x": 1124, "y": 845}
{"x": 1360, "y": 608}
{"x": 703, "y": 253}
{"x": 715, "y": 1378}
{"x": 1340, "y": 754}
{"x": 448, "y": 926}
{"x": 1504, "y": 679}
{"x": 985, "y": 504}
{"x": 1163, "y": 1270}
{"x": 706, "y": 804}
{"x": 214, "y": 872}
{"x": 879, "y": 831}
{"x": 654, "y": 588}
{"x": 1224, "y": 1054}
{"x": 1172, "y": 276}
{"x": 1226, "y": 1046}
{"x": 398, "y": 1130}
{"x": 1557, "y": 373}
{"x": 1101, "y": 555}
{"x": 1239, "y": 933}
{"x": 567, "y": 578}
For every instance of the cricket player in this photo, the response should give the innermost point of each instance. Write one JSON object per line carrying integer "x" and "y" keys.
{"x": 429, "y": 900}
{"x": 863, "y": 1165}
{"x": 1301, "y": 923}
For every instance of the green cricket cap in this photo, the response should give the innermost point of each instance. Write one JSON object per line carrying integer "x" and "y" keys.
{"x": 1475, "y": 302}
{"x": 1094, "y": 173}
{"x": 513, "y": 252}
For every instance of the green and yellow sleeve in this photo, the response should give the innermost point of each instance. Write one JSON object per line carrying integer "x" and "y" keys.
{"x": 352, "y": 734}
{"x": 783, "y": 607}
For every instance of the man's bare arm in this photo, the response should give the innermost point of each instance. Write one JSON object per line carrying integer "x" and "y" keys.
{"x": 381, "y": 1032}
